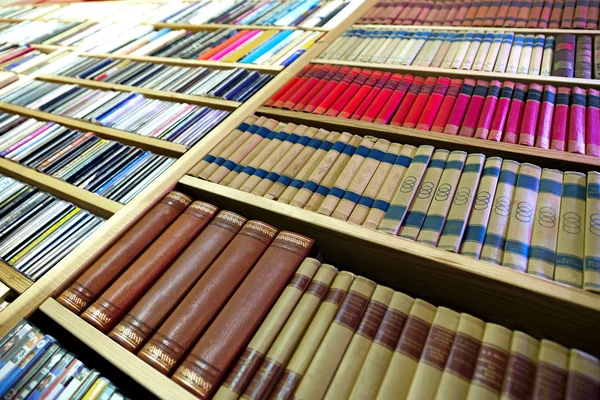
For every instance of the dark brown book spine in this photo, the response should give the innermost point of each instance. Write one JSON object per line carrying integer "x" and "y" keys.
{"x": 156, "y": 305}
{"x": 203, "y": 370}
{"x": 192, "y": 316}
{"x": 110, "y": 265}
{"x": 118, "y": 299}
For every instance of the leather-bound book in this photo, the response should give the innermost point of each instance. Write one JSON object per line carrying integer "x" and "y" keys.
{"x": 180, "y": 331}
{"x": 203, "y": 370}
{"x": 520, "y": 370}
{"x": 145, "y": 318}
{"x": 110, "y": 265}
{"x": 564, "y": 56}
{"x": 551, "y": 374}
{"x": 112, "y": 305}
{"x": 583, "y": 379}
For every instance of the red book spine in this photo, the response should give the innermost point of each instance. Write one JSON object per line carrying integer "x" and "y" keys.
{"x": 325, "y": 90}
{"x": 576, "y": 142}
{"x": 330, "y": 73}
{"x": 488, "y": 19}
{"x": 460, "y": 14}
{"x": 544, "y": 130}
{"x": 470, "y": 17}
{"x": 381, "y": 99}
{"x": 452, "y": 13}
{"x": 391, "y": 13}
{"x": 337, "y": 91}
{"x": 424, "y": 13}
{"x": 523, "y": 14}
{"x": 515, "y": 114}
{"x": 395, "y": 99}
{"x": 446, "y": 108}
{"x": 304, "y": 85}
{"x": 408, "y": 102}
{"x": 414, "y": 13}
{"x": 485, "y": 120}
{"x": 460, "y": 107}
{"x": 421, "y": 101}
{"x": 556, "y": 15}
{"x": 360, "y": 95}
{"x": 581, "y": 14}
{"x": 593, "y": 13}
{"x": 370, "y": 98}
{"x": 444, "y": 11}
{"x": 561, "y": 119}
{"x": 287, "y": 87}
{"x": 592, "y": 131}
{"x": 474, "y": 111}
{"x": 513, "y": 13}
{"x": 433, "y": 14}
{"x": 499, "y": 120}
{"x": 433, "y": 103}
{"x": 482, "y": 12}
{"x": 535, "y": 14}
{"x": 348, "y": 95}
{"x": 545, "y": 15}
{"x": 530, "y": 115}
{"x": 568, "y": 14}
{"x": 502, "y": 13}
{"x": 404, "y": 13}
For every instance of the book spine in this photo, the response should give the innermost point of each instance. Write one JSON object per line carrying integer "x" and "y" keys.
{"x": 526, "y": 53}
{"x": 487, "y": 113}
{"x": 371, "y": 96}
{"x": 504, "y": 52}
{"x": 463, "y": 201}
{"x": 405, "y": 88}
{"x": 471, "y": 13}
{"x": 564, "y": 56}
{"x": 542, "y": 252}
{"x": 530, "y": 115}
{"x": 535, "y": 15}
{"x": 568, "y": 14}
{"x": 583, "y": 378}
{"x": 461, "y": 51}
{"x": 502, "y": 13}
{"x": 420, "y": 102}
{"x": 512, "y": 65}
{"x": 568, "y": 268}
{"x": 316, "y": 88}
{"x": 452, "y": 50}
{"x": 510, "y": 19}
{"x": 492, "y": 12}
{"x": 543, "y": 135}
{"x": 592, "y": 144}
{"x": 345, "y": 98}
{"x": 495, "y": 236}
{"x": 520, "y": 370}
{"x": 547, "y": 57}
{"x": 439, "y": 123}
{"x": 492, "y": 54}
{"x": 434, "y": 102}
{"x": 551, "y": 373}
{"x": 379, "y": 103}
{"x": 336, "y": 91}
{"x": 482, "y": 52}
{"x": 537, "y": 53}
{"x": 459, "y": 110}
{"x": 499, "y": 121}
{"x": 545, "y": 15}
{"x": 360, "y": 95}
{"x": 408, "y": 102}
{"x": 583, "y": 57}
{"x": 591, "y": 267}
{"x": 304, "y": 85}
{"x": 515, "y": 114}
{"x": 286, "y": 90}
{"x": 474, "y": 109}
{"x": 561, "y": 119}
{"x": 484, "y": 9}
{"x": 524, "y": 12}
{"x": 577, "y": 134}
{"x": 593, "y": 14}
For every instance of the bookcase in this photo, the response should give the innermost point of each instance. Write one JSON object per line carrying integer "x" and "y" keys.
{"x": 542, "y": 308}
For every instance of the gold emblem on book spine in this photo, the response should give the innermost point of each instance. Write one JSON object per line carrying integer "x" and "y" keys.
{"x": 159, "y": 356}
{"x": 203, "y": 207}
{"x": 97, "y": 315}
{"x": 74, "y": 300}
{"x": 262, "y": 228}
{"x": 180, "y": 197}
{"x": 230, "y": 217}
{"x": 293, "y": 238}
{"x": 128, "y": 334}
{"x": 198, "y": 383}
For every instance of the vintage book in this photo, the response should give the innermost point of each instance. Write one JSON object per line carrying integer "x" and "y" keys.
{"x": 462, "y": 204}
{"x": 537, "y": 53}
{"x": 440, "y": 55}
{"x": 337, "y": 91}
{"x": 370, "y": 97}
{"x": 521, "y": 366}
{"x": 510, "y": 19}
{"x": 592, "y": 118}
{"x": 535, "y": 14}
{"x": 531, "y": 113}
{"x": 435, "y": 354}
{"x": 102, "y": 273}
{"x": 515, "y": 114}
{"x": 544, "y": 130}
{"x": 349, "y": 94}
{"x": 577, "y": 111}
{"x": 571, "y": 235}
{"x": 358, "y": 98}
{"x": 503, "y": 52}
{"x": 294, "y": 82}
{"x": 593, "y": 14}
{"x": 322, "y": 78}
{"x": 551, "y": 373}
{"x": 591, "y": 265}
{"x": 398, "y": 378}
{"x": 583, "y": 57}
{"x": 306, "y": 349}
{"x": 487, "y": 112}
{"x": 557, "y": 13}
{"x": 495, "y": 235}
{"x": 561, "y": 119}
{"x": 383, "y": 94}
{"x": 542, "y": 251}
{"x": 564, "y": 56}
{"x": 568, "y": 14}
{"x": 526, "y": 53}
{"x": 293, "y": 98}
{"x": 214, "y": 153}
{"x": 418, "y": 107}
{"x": 407, "y": 104}
{"x": 498, "y": 125}
{"x": 492, "y": 54}
{"x": 512, "y": 65}
{"x": 447, "y": 106}
{"x": 449, "y": 56}
{"x": 434, "y": 102}
{"x": 482, "y": 51}
{"x": 547, "y": 57}
{"x": 473, "y": 111}
{"x": 583, "y": 378}
{"x": 462, "y": 50}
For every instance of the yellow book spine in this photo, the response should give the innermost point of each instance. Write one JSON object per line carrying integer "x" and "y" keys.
{"x": 591, "y": 266}
{"x": 520, "y": 371}
{"x": 96, "y": 389}
{"x": 551, "y": 374}
{"x": 583, "y": 378}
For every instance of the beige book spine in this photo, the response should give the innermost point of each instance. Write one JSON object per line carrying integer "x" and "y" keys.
{"x": 568, "y": 267}
{"x": 380, "y": 354}
{"x": 435, "y": 354}
{"x": 455, "y": 380}
{"x": 345, "y": 178}
{"x": 268, "y": 331}
{"x": 583, "y": 379}
{"x": 547, "y": 57}
{"x": 361, "y": 179}
{"x": 303, "y": 196}
{"x": 591, "y": 265}
{"x": 333, "y": 47}
{"x": 492, "y": 55}
{"x": 356, "y": 49}
{"x": 332, "y": 175}
{"x": 512, "y": 66}
{"x": 472, "y": 52}
{"x": 520, "y": 370}
{"x": 368, "y": 50}
{"x": 551, "y": 374}
{"x": 418, "y": 61}
{"x": 400, "y": 372}
{"x": 440, "y": 54}
{"x": 352, "y": 361}
{"x": 419, "y": 207}
{"x": 402, "y": 52}
{"x": 503, "y": 55}
{"x": 451, "y": 54}
{"x": 542, "y": 251}
{"x": 296, "y": 165}
{"x": 492, "y": 359}
{"x": 461, "y": 52}
{"x": 359, "y": 214}
{"x": 432, "y": 50}
{"x": 307, "y": 168}
{"x": 525, "y": 59}
{"x": 384, "y": 50}
{"x": 265, "y": 184}
{"x": 343, "y": 48}
{"x": 312, "y": 338}
{"x": 414, "y": 50}
{"x": 482, "y": 53}
{"x": 535, "y": 65}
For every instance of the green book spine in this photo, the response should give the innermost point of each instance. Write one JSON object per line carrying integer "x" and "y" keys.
{"x": 591, "y": 266}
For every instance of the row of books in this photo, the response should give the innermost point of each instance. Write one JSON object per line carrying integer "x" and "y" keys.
{"x": 519, "y": 216}
{"x": 38, "y": 230}
{"x": 33, "y": 365}
{"x": 568, "y": 56}
{"x": 553, "y": 14}
{"x": 562, "y": 119}
{"x": 180, "y": 123}
{"x": 237, "y": 84}
{"x": 105, "y": 167}
{"x": 24, "y": 59}
{"x": 327, "y": 334}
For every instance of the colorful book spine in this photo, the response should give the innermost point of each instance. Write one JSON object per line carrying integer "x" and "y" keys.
{"x": 535, "y": 14}
{"x": 593, "y": 14}
{"x": 564, "y": 56}
{"x": 497, "y": 127}
{"x": 502, "y": 13}
{"x": 526, "y": 52}
{"x": 447, "y": 105}
{"x": 434, "y": 103}
{"x": 543, "y": 136}
{"x": 561, "y": 119}
{"x": 537, "y": 53}
{"x": 568, "y": 14}
{"x": 375, "y": 107}
{"x": 406, "y": 105}
{"x": 469, "y": 124}
{"x": 487, "y": 113}
{"x": 547, "y": 57}
{"x": 420, "y": 102}
{"x": 583, "y": 57}
{"x": 490, "y": 16}
{"x": 545, "y": 16}
{"x": 472, "y": 51}
{"x": 591, "y": 266}
{"x": 459, "y": 109}
{"x": 360, "y": 95}
{"x": 346, "y": 97}
{"x": 551, "y": 373}
{"x": 452, "y": 51}
{"x": 530, "y": 115}
{"x": 440, "y": 55}
{"x": 577, "y": 123}
{"x": 592, "y": 141}
{"x": 513, "y": 12}
{"x": 515, "y": 114}
{"x": 402, "y": 94}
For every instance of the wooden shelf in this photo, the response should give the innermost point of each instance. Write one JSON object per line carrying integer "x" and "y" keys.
{"x": 89, "y": 201}
{"x": 459, "y": 73}
{"x": 157, "y": 146}
{"x": 157, "y": 94}
{"x": 543, "y": 308}
{"x": 13, "y": 279}
{"x": 590, "y": 32}
{"x": 157, "y": 383}
{"x": 214, "y": 27}
{"x": 542, "y": 157}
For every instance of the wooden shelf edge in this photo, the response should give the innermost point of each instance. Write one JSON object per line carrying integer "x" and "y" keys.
{"x": 542, "y": 157}
{"x": 157, "y": 146}
{"x": 157, "y": 383}
{"x": 89, "y": 201}
{"x": 590, "y": 32}
{"x": 13, "y": 279}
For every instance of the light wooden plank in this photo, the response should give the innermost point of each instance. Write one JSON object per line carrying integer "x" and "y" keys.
{"x": 13, "y": 279}
{"x": 590, "y": 32}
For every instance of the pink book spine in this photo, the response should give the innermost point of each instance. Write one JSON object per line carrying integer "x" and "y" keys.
{"x": 407, "y": 103}
{"x": 235, "y": 45}
{"x": 390, "y": 106}
{"x": 424, "y": 13}
{"x": 382, "y": 98}
{"x": 26, "y": 139}
{"x": 592, "y": 18}
{"x": 515, "y": 114}
{"x": 545, "y": 16}
{"x": 434, "y": 103}
{"x": 444, "y": 11}
{"x": 362, "y": 108}
{"x": 499, "y": 120}
{"x": 544, "y": 129}
{"x": 561, "y": 120}
{"x": 460, "y": 107}
{"x": 487, "y": 114}
{"x": 474, "y": 111}
{"x": 404, "y": 13}
{"x": 502, "y": 13}
{"x": 447, "y": 105}
{"x": 421, "y": 101}
{"x": 433, "y": 14}
{"x": 576, "y": 139}
{"x": 592, "y": 131}
{"x": 452, "y": 13}
{"x": 581, "y": 14}
{"x": 530, "y": 115}
{"x": 461, "y": 13}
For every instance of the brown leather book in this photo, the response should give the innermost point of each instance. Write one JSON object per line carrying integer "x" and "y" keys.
{"x": 118, "y": 299}
{"x": 110, "y": 265}
{"x": 156, "y": 305}
{"x": 203, "y": 370}
{"x": 186, "y": 324}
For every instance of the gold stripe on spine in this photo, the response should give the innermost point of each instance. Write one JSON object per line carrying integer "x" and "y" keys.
{"x": 128, "y": 335}
{"x": 97, "y": 315}
{"x": 180, "y": 197}
{"x": 231, "y": 217}
{"x": 294, "y": 239}
{"x": 261, "y": 227}
{"x": 202, "y": 206}
{"x": 158, "y": 355}
{"x": 74, "y": 300}
{"x": 193, "y": 381}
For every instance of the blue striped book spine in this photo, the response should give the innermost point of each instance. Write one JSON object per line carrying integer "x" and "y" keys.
{"x": 591, "y": 266}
